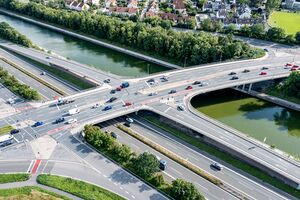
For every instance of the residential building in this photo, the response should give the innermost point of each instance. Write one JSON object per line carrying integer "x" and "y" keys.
{"x": 74, "y": 5}
{"x": 132, "y": 4}
{"x": 123, "y": 11}
{"x": 179, "y": 6}
{"x": 110, "y": 3}
{"x": 292, "y": 4}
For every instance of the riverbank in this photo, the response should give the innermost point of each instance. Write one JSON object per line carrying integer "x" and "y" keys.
{"x": 93, "y": 41}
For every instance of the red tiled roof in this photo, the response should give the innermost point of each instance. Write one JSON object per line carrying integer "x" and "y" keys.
{"x": 178, "y": 4}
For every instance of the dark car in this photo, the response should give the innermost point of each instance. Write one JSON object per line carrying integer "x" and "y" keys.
{"x": 59, "y": 120}
{"x": 113, "y": 91}
{"x": 172, "y": 91}
{"x": 232, "y": 73}
{"x": 107, "y": 80}
{"x": 266, "y": 50}
{"x": 264, "y": 68}
{"x": 107, "y": 108}
{"x": 162, "y": 164}
{"x": 234, "y": 78}
{"x": 39, "y": 123}
{"x": 151, "y": 80}
{"x": 114, "y": 135}
{"x": 217, "y": 166}
{"x": 112, "y": 99}
{"x": 246, "y": 71}
{"x": 197, "y": 83}
{"x": 14, "y": 131}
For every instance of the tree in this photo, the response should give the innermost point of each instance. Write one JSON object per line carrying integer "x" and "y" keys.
{"x": 182, "y": 190}
{"x": 231, "y": 28}
{"x": 276, "y": 34}
{"x": 207, "y": 25}
{"x": 146, "y": 165}
{"x": 123, "y": 152}
{"x": 290, "y": 39}
{"x": 272, "y": 5}
{"x": 291, "y": 86}
{"x": 257, "y": 31}
{"x": 158, "y": 180}
{"x": 297, "y": 37}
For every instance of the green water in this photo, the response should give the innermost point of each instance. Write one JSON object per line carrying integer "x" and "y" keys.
{"x": 256, "y": 118}
{"x": 84, "y": 52}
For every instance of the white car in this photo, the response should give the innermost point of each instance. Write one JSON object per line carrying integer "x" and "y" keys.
{"x": 11, "y": 101}
{"x": 97, "y": 105}
{"x": 72, "y": 120}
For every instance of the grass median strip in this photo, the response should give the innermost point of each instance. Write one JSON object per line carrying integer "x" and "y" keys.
{"x": 9, "y": 178}
{"x": 225, "y": 157}
{"x": 171, "y": 155}
{"x": 59, "y": 91}
{"x": 78, "y": 188}
{"x": 5, "y": 129}
{"x": 30, "y": 192}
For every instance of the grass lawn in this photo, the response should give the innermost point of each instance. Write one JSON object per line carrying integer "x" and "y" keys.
{"x": 290, "y": 22}
{"x": 78, "y": 188}
{"x": 8, "y": 178}
{"x": 5, "y": 129}
{"x": 29, "y": 192}
{"x": 225, "y": 157}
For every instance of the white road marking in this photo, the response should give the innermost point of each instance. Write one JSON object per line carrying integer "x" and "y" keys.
{"x": 30, "y": 166}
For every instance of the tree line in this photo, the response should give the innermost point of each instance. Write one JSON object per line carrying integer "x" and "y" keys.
{"x": 9, "y": 33}
{"x": 291, "y": 86}
{"x": 16, "y": 87}
{"x": 183, "y": 48}
{"x": 145, "y": 165}
{"x": 258, "y": 31}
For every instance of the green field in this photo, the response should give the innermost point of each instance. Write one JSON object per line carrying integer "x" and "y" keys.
{"x": 290, "y": 22}
{"x": 5, "y": 129}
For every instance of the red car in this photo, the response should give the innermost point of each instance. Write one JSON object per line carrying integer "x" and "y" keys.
{"x": 189, "y": 87}
{"x": 293, "y": 69}
{"x": 118, "y": 88}
{"x": 127, "y": 104}
{"x": 288, "y": 64}
{"x": 263, "y": 73}
{"x": 295, "y": 66}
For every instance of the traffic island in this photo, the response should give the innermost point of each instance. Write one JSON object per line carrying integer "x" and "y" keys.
{"x": 10, "y": 178}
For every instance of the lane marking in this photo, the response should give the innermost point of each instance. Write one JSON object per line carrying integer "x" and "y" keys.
{"x": 29, "y": 167}
{"x": 36, "y": 166}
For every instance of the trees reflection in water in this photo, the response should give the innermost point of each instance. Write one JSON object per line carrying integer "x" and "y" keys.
{"x": 290, "y": 120}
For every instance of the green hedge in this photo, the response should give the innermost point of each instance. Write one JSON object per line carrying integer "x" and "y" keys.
{"x": 78, "y": 188}
{"x": 9, "y": 178}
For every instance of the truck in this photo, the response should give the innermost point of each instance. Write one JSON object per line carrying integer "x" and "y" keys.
{"x": 63, "y": 102}
{"x": 73, "y": 111}
{"x": 124, "y": 85}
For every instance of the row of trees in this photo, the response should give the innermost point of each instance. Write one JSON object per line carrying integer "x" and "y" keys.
{"x": 257, "y": 31}
{"x": 9, "y": 33}
{"x": 145, "y": 165}
{"x": 184, "y": 48}
{"x": 291, "y": 86}
{"x": 16, "y": 87}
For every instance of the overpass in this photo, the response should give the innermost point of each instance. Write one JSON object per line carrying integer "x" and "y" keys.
{"x": 163, "y": 103}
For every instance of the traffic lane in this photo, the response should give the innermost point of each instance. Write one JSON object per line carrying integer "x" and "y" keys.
{"x": 110, "y": 170}
{"x": 18, "y": 166}
{"x": 228, "y": 173}
{"x": 235, "y": 142}
{"x": 37, "y": 71}
{"x": 174, "y": 170}
{"x": 46, "y": 92}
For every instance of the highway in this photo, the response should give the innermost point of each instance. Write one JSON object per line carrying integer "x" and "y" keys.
{"x": 216, "y": 77}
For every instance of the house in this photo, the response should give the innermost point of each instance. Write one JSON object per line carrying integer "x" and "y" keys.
{"x": 150, "y": 14}
{"x": 173, "y": 17}
{"x": 221, "y": 14}
{"x": 74, "y": 5}
{"x": 123, "y": 11}
{"x": 153, "y": 7}
{"x": 179, "y": 6}
{"x": 239, "y": 23}
{"x": 110, "y": 3}
{"x": 292, "y": 4}
{"x": 244, "y": 12}
{"x": 132, "y": 4}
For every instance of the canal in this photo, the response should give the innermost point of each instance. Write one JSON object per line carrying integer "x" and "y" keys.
{"x": 259, "y": 119}
{"x": 84, "y": 52}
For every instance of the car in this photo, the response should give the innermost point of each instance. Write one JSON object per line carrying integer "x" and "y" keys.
{"x": 295, "y": 66}
{"x": 288, "y": 64}
{"x": 59, "y": 120}
{"x": 107, "y": 108}
{"x": 286, "y": 67}
{"x": 172, "y": 91}
{"x": 127, "y": 104}
{"x": 234, "y": 78}
{"x": 38, "y": 123}
{"x": 11, "y": 101}
{"x": 153, "y": 94}
{"x": 107, "y": 80}
{"x": 203, "y": 84}
{"x": 189, "y": 87}
{"x": 164, "y": 78}
{"x": 180, "y": 108}
{"x": 293, "y": 69}
{"x": 246, "y": 71}
{"x": 118, "y": 89}
{"x": 48, "y": 57}
{"x": 112, "y": 99}
{"x": 114, "y": 135}
{"x": 150, "y": 80}
{"x": 43, "y": 73}
{"x": 266, "y": 50}
{"x": 14, "y": 131}
{"x": 113, "y": 91}
{"x": 97, "y": 105}
{"x": 162, "y": 164}
{"x": 264, "y": 68}
{"x": 263, "y": 73}
{"x": 71, "y": 121}
{"x": 130, "y": 120}
{"x": 217, "y": 166}
{"x": 232, "y": 73}
{"x": 197, "y": 82}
